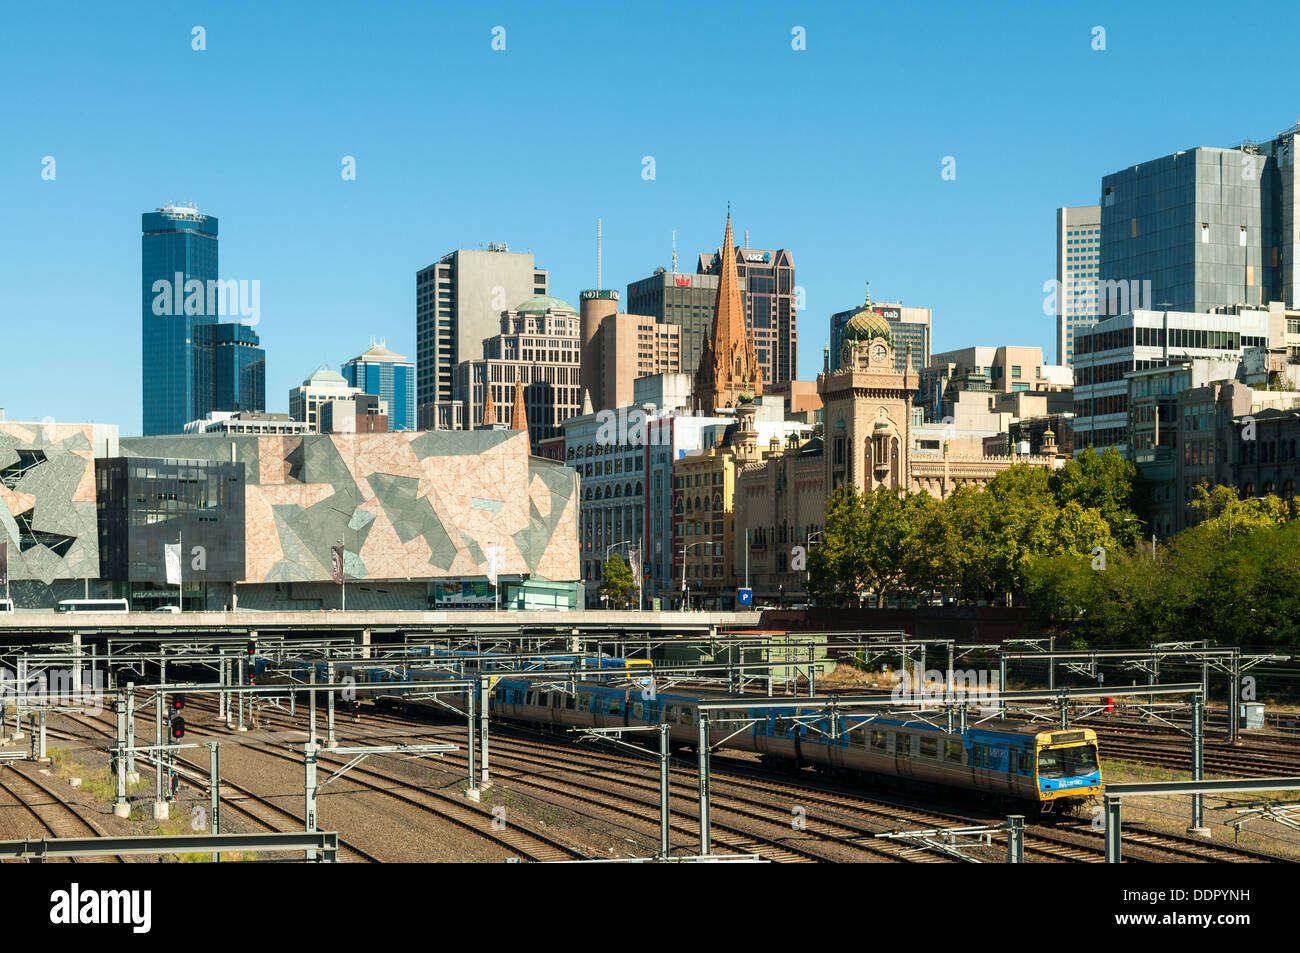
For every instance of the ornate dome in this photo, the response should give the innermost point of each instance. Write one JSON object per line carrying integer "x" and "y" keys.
{"x": 866, "y": 325}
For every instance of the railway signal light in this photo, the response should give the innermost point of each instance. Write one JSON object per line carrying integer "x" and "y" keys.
{"x": 177, "y": 728}
{"x": 178, "y": 703}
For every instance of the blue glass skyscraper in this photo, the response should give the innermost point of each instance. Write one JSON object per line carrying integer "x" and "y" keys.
{"x": 178, "y": 245}
{"x": 389, "y": 377}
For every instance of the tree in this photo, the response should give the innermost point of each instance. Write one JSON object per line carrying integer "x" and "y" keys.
{"x": 617, "y": 585}
{"x": 1107, "y": 483}
{"x": 1221, "y": 512}
{"x": 834, "y": 574}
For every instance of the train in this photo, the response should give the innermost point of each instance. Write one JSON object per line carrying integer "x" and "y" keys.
{"x": 1056, "y": 768}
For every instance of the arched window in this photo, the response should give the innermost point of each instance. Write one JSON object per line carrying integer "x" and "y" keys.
{"x": 717, "y": 502}
{"x": 627, "y": 489}
{"x": 1268, "y": 487}
{"x": 706, "y": 502}
{"x": 638, "y": 487}
{"x": 618, "y": 490}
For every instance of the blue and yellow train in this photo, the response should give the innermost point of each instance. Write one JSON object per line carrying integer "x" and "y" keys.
{"x": 1009, "y": 759}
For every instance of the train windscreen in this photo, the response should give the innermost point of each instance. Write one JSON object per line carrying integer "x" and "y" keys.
{"x": 1067, "y": 762}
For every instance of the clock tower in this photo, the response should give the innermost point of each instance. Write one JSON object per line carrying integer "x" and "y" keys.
{"x": 868, "y": 408}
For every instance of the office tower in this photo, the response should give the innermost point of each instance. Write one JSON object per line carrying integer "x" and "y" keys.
{"x": 768, "y": 292}
{"x": 320, "y": 388}
{"x": 459, "y": 301}
{"x": 539, "y": 344}
{"x": 236, "y": 367}
{"x": 178, "y": 246}
{"x": 388, "y": 376}
{"x": 1204, "y": 228}
{"x": 617, "y": 349}
{"x": 1144, "y": 339}
{"x": 1078, "y": 260}
{"x": 685, "y": 300}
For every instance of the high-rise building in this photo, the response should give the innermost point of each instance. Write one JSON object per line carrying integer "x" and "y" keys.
{"x": 618, "y": 349}
{"x": 768, "y": 292}
{"x": 178, "y": 247}
{"x": 321, "y": 387}
{"x": 729, "y": 369}
{"x": 1201, "y": 229}
{"x": 1078, "y": 260}
{"x": 539, "y": 344}
{"x": 458, "y": 304}
{"x": 391, "y": 378}
{"x": 911, "y": 328}
{"x": 230, "y": 356}
{"x": 1144, "y": 339}
{"x": 685, "y": 300}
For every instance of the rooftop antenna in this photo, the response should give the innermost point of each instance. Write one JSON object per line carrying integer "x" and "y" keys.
{"x": 746, "y": 238}
{"x": 597, "y": 254}
{"x": 674, "y": 251}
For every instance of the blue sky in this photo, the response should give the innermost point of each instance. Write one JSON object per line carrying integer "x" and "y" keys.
{"x": 834, "y": 152}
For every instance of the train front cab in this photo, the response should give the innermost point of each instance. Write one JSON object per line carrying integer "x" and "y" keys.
{"x": 1066, "y": 769}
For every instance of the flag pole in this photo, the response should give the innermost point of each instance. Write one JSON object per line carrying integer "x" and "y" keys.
{"x": 180, "y": 571}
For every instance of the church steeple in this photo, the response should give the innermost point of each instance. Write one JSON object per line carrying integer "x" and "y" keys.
{"x": 728, "y": 363}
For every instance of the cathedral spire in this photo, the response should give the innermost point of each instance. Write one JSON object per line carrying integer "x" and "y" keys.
{"x": 728, "y": 362}
{"x": 489, "y": 408}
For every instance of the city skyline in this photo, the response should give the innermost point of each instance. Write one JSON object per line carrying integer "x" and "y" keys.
{"x": 869, "y": 201}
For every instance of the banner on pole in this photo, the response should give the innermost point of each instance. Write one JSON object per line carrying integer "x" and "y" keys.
{"x": 336, "y": 564}
{"x": 4, "y": 564}
{"x": 493, "y": 555}
{"x": 172, "y": 561}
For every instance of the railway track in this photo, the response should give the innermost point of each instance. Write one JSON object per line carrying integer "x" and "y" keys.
{"x": 52, "y": 814}
{"x": 529, "y": 844}
{"x": 844, "y": 819}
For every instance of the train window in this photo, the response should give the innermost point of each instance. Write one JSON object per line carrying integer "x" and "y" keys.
{"x": 615, "y": 706}
{"x": 557, "y": 700}
{"x": 878, "y": 740}
{"x": 1023, "y": 766}
{"x": 570, "y": 701}
{"x": 857, "y": 737}
{"x": 584, "y": 701}
{"x": 780, "y": 726}
{"x": 543, "y": 699}
{"x": 929, "y": 746}
{"x": 638, "y": 710}
{"x": 952, "y": 750}
{"x": 686, "y": 716}
{"x": 903, "y": 745}
{"x": 670, "y": 713}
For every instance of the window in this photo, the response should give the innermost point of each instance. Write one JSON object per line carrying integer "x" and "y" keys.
{"x": 929, "y": 746}
{"x": 686, "y": 716}
{"x": 615, "y": 705}
{"x": 952, "y": 750}
{"x": 903, "y": 745}
{"x": 670, "y": 713}
{"x": 877, "y": 740}
{"x": 858, "y": 738}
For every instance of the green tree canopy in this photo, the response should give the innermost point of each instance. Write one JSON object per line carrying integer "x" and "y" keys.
{"x": 617, "y": 585}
